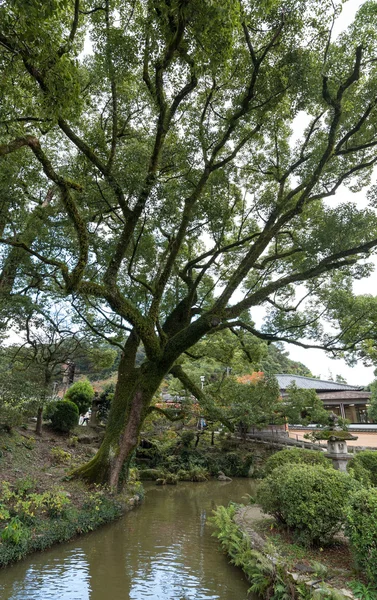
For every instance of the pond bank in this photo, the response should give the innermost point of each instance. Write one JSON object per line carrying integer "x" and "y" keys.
{"x": 162, "y": 550}
{"x": 39, "y": 506}
{"x": 273, "y": 564}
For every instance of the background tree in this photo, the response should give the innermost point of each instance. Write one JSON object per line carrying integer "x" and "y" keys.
{"x": 372, "y": 410}
{"x": 41, "y": 359}
{"x": 179, "y": 201}
{"x": 303, "y": 407}
{"x": 18, "y": 395}
{"x": 277, "y": 361}
{"x": 49, "y": 345}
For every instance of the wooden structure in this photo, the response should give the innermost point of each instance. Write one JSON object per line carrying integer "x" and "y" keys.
{"x": 346, "y": 401}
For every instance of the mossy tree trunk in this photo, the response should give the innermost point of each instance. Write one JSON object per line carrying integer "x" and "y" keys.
{"x": 46, "y": 392}
{"x": 134, "y": 392}
{"x": 38, "y": 427}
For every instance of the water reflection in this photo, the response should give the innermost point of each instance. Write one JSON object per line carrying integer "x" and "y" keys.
{"x": 161, "y": 551}
{"x": 65, "y": 578}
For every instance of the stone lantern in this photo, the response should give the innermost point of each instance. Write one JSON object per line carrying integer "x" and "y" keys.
{"x": 95, "y": 405}
{"x": 336, "y": 438}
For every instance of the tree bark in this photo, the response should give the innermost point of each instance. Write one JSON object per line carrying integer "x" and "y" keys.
{"x": 38, "y": 428}
{"x": 133, "y": 395}
{"x": 47, "y": 381}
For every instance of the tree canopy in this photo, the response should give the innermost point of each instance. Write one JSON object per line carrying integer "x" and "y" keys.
{"x": 154, "y": 179}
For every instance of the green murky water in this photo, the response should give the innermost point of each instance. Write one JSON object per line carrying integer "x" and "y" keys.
{"x": 160, "y": 551}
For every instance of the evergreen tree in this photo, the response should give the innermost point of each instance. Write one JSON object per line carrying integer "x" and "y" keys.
{"x": 155, "y": 183}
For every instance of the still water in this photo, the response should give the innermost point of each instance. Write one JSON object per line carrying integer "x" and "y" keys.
{"x": 162, "y": 550}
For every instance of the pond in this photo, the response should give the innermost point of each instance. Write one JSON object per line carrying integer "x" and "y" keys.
{"x": 162, "y": 550}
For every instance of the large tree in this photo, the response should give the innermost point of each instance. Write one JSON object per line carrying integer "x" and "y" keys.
{"x": 158, "y": 185}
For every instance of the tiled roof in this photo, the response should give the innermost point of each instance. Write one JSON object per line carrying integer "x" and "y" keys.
{"x": 310, "y": 383}
{"x": 345, "y": 395}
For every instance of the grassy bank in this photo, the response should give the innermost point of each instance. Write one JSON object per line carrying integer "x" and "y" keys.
{"x": 39, "y": 505}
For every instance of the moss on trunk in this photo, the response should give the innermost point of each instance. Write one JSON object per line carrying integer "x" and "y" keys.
{"x": 133, "y": 395}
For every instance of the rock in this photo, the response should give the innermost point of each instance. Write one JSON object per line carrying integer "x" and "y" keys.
{"x": 87, "y": 439}
{"x": 223, "y": 477}
{"x": 304, "y": 568}
{"x": 91, "y": 451}
{"x": 347, "y": 593}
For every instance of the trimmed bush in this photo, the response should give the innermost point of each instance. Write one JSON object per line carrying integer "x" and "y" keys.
{"x": 65, "y": 417}
{"x": 361, "y": 528}
{"x": 82, "y": 394}
{"x": 296, "y": 456}
{"x": 364, "y": 467}
{"x": 310, "y": 500}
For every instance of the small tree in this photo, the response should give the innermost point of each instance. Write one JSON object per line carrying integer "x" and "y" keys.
{"x": 82, "y": 394}
{"x": 372, "y": 410}
{"x": 254, "y": 404}
{"x": 18, "y": 398}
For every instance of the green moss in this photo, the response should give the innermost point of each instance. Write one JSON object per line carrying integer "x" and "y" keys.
{"x": 327, "y": 434}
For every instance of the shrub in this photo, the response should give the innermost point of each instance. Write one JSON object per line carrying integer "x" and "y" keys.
{"x": 60, "y": 456}
{"x": 364, "y": 466}
{"x": 171, "y": 479}
{"x": 65, "y": 417}
{"x": 187, "y": 437}
{"x": 198, "y": 473}
{"x": 25, "y": 485}
{"x": 308, "y": 499}
{"x": 150, "y": 474}
{"x": 82, "y": 394}
{"x": 361, "y": 528}
{"x": 183, "y": 475}
{"x": 14, "y": 413}
{"x": 105, "y": 400}
{"x": 73, "y": 441}
{"x": 296, "y": 456}
{"x": 233, "y": 464}
{"x": 56, "y": 503}
{"x": 15, "y": 533}
{"x": 229, "y": 443}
